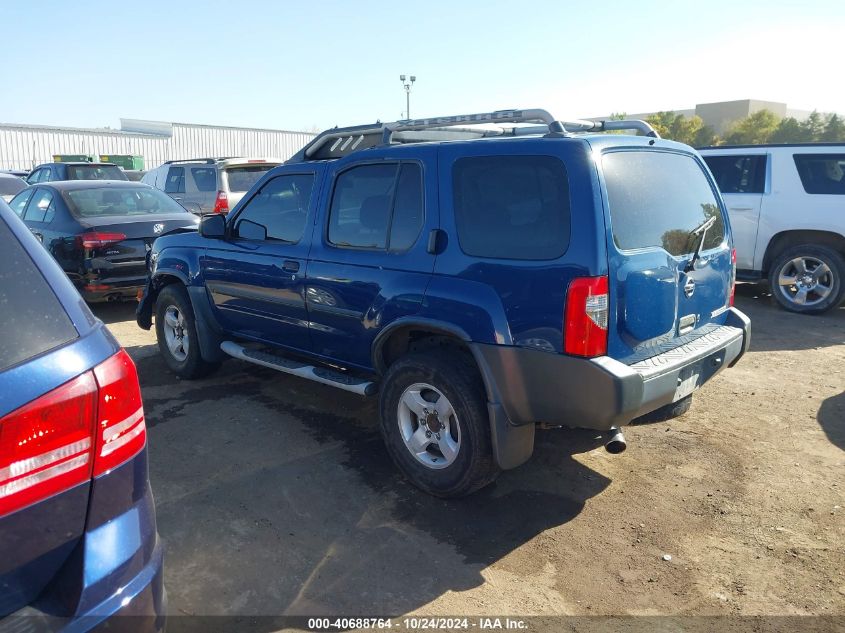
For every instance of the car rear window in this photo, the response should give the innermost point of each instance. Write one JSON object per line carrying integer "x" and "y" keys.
{"x": 205, "y": 178}
{"x": 120, "y": 201}
{"x": 512, "y": 207}
{"x": 822, "y": 173}
{"x": 657, "y": 198}
{"x": 95, "y": 172}
{"x": 28, "y": 307}
{"x": 242, "y": 178}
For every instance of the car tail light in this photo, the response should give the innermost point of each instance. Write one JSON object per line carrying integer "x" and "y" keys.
{"x": 733, "y": 277}
{"x": 95, "y": 239}
{"x": 81, "y": 429}
{"x": 121, "y": 431}
{"x": 585, "y": 325}
{"x": 221, "y": 203}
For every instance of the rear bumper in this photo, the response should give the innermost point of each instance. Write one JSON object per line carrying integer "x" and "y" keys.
{"x": 122, "y": 290}
{"x": 602, "y": 393}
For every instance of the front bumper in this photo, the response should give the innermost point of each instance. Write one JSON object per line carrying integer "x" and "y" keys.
{"x": 602, "y": 393}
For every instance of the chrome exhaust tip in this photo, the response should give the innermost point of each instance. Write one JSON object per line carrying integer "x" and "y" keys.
{"x": 616, "y": 444}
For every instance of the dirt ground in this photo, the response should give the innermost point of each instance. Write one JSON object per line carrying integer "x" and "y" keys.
{"x": 276, "y": 496}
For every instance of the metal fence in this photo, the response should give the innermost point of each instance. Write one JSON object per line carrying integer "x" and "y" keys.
{"x": 24, "y": 146}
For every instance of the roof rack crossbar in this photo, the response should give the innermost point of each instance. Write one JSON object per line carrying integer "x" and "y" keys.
{"x": 609, "y": 125}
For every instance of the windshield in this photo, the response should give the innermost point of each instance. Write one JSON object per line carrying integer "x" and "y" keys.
{"x": 121, "y": 201}
{"x": 95, "y": 172}
{"x": 242, "y": 178}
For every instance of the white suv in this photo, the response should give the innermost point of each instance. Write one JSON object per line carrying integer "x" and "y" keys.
{"x": 787, "y": 211}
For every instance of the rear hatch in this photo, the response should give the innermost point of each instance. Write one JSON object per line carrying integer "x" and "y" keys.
{"x": 238, "y": 179}
{"x": 669, "y": 251}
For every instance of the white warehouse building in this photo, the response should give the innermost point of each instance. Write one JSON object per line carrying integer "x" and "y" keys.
{"x": 24, "y": 146}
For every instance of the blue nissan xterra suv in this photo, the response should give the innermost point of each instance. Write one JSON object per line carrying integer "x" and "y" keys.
{"x": 480, "y": 279}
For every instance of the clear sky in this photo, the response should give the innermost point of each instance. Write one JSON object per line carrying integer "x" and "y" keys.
{"x": 310, "y": 65}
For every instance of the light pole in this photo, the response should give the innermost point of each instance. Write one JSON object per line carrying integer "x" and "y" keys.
{"x": 407, "y": 85}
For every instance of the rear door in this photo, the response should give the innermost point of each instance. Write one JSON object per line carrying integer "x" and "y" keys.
{"x": 656, "y": 199}
{"x": 742, "y": 181}
{"x": 201, "y": 188}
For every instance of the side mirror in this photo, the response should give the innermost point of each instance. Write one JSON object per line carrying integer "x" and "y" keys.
{"x": 213, "y": 226}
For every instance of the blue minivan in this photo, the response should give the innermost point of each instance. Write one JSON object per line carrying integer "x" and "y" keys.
{"x": 78, "y": 540}
{"x": 480, "y": 279}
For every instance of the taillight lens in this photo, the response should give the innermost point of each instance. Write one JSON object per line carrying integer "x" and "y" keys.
{"x": 221, "y": 203}
{"x": 121, "y": 432}
{"x": 96, "y": 239}
{"x": 81, "y": 429}
{"x": 45, "y": 446}
{"x": 733, "y": 277}
{"x": 585, "y": 326}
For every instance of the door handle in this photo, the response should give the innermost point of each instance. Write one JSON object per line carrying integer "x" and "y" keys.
{"x": 740, "y": 208}
{"x": 290, "y": 266}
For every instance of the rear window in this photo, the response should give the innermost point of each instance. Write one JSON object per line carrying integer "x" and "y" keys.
{"x": 11, "y": 186}
{"x": 123, "y": 201}
{"x": 28, "y": 306}
{"x": 242, "y": 178}
{"x": 657, "y": 198}
{"x": 512, "y": 207}
{"x": 205, "y": 178}
{"x": 822, "y": 173}
{"x": 95, "y": 172}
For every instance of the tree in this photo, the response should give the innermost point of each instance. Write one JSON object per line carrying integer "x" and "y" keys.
{"x": 754, "y": 129}
{"x": 790, "y": 130}
{"x": 814, "y": 126}
{"x": 834, "y": 130}
{"x": 678, "y": 127}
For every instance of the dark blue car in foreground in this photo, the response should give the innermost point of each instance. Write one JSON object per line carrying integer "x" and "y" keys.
{"x": 78, "y": 540}
{"x": 480, "y": 280}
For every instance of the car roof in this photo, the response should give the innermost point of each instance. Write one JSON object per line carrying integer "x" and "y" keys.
{"x": 74, "y": 185}
{"x": 723, "y": 148}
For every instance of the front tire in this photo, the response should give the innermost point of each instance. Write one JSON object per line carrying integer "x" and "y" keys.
{"x": 808, "y": 279}
{"x": 176, "y": 332}
{"x": 435, "y": 424}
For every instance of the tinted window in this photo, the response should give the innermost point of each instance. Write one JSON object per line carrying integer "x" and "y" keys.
{"x": 37, "y": 176}
{"x": 11, "y": 186}
{"x": 512, "y": 207}
{"x": 205, "y": 178}
{"x": 18, "y": 203}
{"x": 407, "y": 208}
{"x": 242, "y": 178}
{"x": 175, "y": 182}
{"x": 281, "y": 206}
{"x": 29, "y": 308}
{"x": 95, "y": 172}
{"x": 120, "y": 201}
{"x": 738, "y": 174}
{"x": 822, "y": 173}
{"x": 657, "y": 198}
{"x": 360, "y": 211}
{"x": 38, "y": 208}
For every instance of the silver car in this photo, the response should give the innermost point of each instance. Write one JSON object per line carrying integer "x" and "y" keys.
{"x": 209, "y": 185}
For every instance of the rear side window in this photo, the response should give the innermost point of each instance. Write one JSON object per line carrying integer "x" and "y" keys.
{"x": 657, "y": 198}
{"x": 242, "y": 178}
{"x": 822, "y": 173}
{"x": 95, "y": 172}
{"x": 28, "y": 306}
{"x": 41, "y": 209}
{"x": 18, "y": 204}
{"x": 175, "y": 182}
{"x": 738, "y": 174}
{"x": 205, "y": 178}
{"x": 512, "y": 207}
{"x": 377, "y": 207}
{"x": 281, "y": 207}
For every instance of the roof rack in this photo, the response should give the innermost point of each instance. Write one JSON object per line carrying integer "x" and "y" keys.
{"x": 338, "y": 142}
{"x": 207, "y": 161}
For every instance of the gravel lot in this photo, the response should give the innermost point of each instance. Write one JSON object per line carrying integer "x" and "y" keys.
{"x": 275, "y": 496}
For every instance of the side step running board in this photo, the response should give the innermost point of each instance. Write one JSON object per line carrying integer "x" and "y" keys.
{"x": 318, "y": 374}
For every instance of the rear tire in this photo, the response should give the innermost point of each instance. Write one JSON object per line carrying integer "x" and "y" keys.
{"x": 808, "y": 279}
{"x": 176, "y": 332}
{"x": 435, "y": 424}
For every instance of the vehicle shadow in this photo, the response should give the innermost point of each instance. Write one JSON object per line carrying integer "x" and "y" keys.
{"x": 276, "y": 495}
{"x": 115, "y": 311}
{"x": 775, "y": 329}
{"x": 831, "y": 417}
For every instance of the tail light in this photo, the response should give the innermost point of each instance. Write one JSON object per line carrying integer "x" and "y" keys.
{"x": 221, "y": 203}
{"x": 585, "y": 325}
{"x": 81, "y": 429}
{"x": 733, "y": 277}
{"x": 96, "y": 239}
